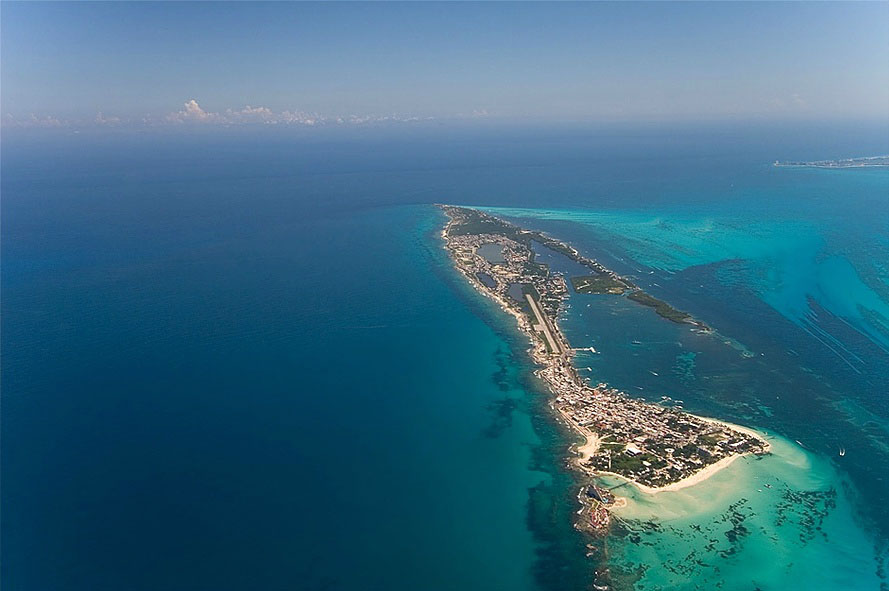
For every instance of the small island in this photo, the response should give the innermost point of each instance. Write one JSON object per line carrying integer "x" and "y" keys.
{"x": 866, "y": 162}
{"x": 653, "y": 446}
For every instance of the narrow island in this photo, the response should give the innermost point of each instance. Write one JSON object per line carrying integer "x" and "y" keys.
{"x": 655, "y": 447}
{"x": 866, "y": 162}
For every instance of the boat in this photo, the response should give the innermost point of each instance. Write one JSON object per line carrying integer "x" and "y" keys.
{"x": 842, "y": 451}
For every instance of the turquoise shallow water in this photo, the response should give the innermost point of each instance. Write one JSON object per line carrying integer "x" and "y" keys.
{"x": 243, "y": 361}
{"x": 784, "y": 521}
{"x": 814, "y": 526}
{"x": 788, "y": 260}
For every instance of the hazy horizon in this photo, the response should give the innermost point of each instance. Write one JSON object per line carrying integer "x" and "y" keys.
{"x": 80, "y": 65}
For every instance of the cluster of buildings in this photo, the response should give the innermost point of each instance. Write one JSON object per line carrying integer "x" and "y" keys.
{"x": 648, "y": 443}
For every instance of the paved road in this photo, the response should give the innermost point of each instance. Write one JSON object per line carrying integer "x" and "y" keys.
{"x": 543, "y": 325}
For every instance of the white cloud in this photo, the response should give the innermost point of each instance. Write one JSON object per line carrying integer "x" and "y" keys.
{"x": 194, "y": 112}
{"x": 251, "y": 115}
{"x": 264, "y": 115}
{"x": 47, "y": 121}
{"x": 103, "y": 120}
{"x": 300, "y": 118}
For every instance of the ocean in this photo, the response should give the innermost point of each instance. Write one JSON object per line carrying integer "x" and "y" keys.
{"x": 241, "y": 359}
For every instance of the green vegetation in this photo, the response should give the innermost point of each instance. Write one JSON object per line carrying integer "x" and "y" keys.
{"x": 624, "y": 463}
{"x": 689, "y": 450}
{"x": 477, "y": 222}
{"x": 707, "y": 440}
{"x": 479, "y": 225}
{"x": 661, "y": 307}
{"x": 598, "y": 284}
{"x": 555, "y": 245}
{"x": 529, "y": 289}
{"x": 532, "y": 269}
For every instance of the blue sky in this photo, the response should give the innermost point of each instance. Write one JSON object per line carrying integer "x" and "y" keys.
{"x": 139, "y": 63}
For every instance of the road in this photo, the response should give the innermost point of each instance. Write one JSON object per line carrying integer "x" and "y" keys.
{"x": 543, "y": 325}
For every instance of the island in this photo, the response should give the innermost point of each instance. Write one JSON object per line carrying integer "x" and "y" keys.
{"x": 866, "y": 162}
{"x": 653, "y": 446}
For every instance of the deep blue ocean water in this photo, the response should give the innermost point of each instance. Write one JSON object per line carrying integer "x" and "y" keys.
{"x": 239, "y": 360}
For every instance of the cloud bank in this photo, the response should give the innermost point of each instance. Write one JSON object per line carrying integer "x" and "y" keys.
{"x": 193, "y": 114}
{"x": 250, "y": 115}
{"x": 34, "y": 121}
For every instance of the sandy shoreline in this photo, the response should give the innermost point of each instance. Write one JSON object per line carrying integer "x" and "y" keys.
{"x": 588, "y": 449}
{"x": 702, "y": 474}
{"x": 696, "y": 478}
{"x": 592, "y": 440}
{"x": 745, "y": 430}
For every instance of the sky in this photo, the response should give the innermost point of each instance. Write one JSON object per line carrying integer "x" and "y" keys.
{"x": 205, "y": 63}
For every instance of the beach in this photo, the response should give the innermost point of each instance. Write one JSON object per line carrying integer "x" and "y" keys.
{"x": 708, "y": 471}
{"x": 593, "y": 441}
{"x": 589, "y": 448}
{"x": 692, "y": 480}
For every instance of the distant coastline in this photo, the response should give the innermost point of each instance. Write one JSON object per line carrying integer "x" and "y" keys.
{"x": 865, "y": 162}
